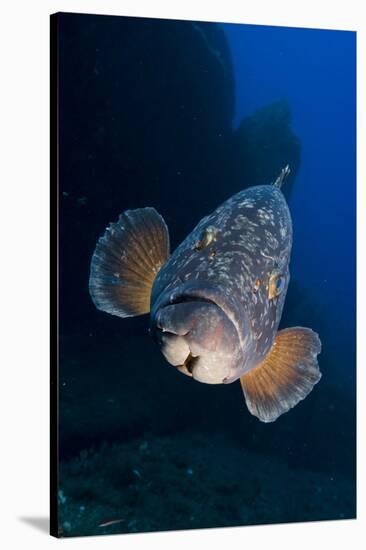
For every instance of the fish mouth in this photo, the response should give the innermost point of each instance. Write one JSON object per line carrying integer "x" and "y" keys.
{"x": 170, "y": 301}
{"x": 188, "y": 298}
{"x": 196, "y": 335}
{"x": 200, "y": 292}
{"x": 194, "y": 293}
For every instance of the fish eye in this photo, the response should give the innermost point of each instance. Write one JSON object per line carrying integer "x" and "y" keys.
{"x": 279, "y": 283}
{"x": 276, "y": 284}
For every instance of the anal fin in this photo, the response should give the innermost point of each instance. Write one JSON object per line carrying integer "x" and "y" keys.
{"x": 286, "y": 375}
{"x": 126, "y": 261}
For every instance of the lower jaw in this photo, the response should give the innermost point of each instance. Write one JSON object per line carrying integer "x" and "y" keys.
{"x": 201, "y": 370}
{"x": 206, "y": 378}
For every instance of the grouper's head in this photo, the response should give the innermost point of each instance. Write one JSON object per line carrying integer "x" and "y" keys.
{"x": 197, "y": 333}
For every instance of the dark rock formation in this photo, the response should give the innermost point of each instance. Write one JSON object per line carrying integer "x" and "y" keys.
{"x": 263, "y": 144}
{"x": 145, "y": 119}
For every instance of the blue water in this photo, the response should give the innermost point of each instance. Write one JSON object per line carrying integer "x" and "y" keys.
{"x": 315, "y": 71}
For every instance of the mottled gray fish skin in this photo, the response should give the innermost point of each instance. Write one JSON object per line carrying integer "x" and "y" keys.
{"x": 249, "y": 238}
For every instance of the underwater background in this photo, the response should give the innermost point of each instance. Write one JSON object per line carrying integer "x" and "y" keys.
{"x": 181, "y": 115}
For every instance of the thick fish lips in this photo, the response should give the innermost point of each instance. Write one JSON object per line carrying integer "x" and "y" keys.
{"x": 197, "y": 337}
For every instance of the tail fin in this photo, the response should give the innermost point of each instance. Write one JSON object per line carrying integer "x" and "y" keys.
{"x": 126, "y": 261}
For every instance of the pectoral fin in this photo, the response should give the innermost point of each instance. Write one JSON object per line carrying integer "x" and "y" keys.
{"x": 285, "y": 377}
{"x": 126, "y": 261}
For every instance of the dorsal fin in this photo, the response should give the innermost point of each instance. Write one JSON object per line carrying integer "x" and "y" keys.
{"x": 283, "y": 175}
